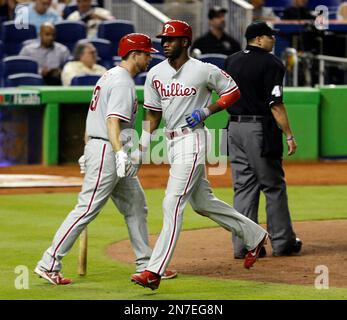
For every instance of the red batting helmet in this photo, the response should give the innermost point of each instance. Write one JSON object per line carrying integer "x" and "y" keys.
{"x": 135, "y": 41}
{"x": 176, "y": 28}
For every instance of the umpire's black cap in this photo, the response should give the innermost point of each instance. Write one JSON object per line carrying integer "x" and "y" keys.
{"x": 216, "y": 11}
{"x": 259, "y": 28}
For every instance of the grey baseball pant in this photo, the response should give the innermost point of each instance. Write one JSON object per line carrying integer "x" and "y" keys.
{"x": 187, "y": 182}
{"x": 100, "y": 183}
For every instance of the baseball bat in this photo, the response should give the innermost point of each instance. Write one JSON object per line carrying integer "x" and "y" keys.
{"x": 82, "y": 259}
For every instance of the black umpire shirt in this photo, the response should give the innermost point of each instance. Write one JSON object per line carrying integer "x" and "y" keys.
{"x": 259, "y": 76}
{"x": 208, "y": 43}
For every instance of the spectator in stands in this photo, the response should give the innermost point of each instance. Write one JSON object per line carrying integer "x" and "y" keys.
{"x": 92, "y": 16}
{"x": 342, "y": 12}
{"x": 37, "y": 13}
{"x": 216, "y": 40}
{"x": 85, "y": 55}
{"x": 59, "y": 6}
{"x": 7, "y": 10}
{"x": 261, "y": 12}
{"x": 50, "y": 55}
{"x": 298, "y": 11}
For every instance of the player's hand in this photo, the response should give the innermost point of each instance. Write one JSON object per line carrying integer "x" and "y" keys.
{"x": 291, "y": 145}
{"x": 197, "y": 116}
{"x": 82, "y": 163}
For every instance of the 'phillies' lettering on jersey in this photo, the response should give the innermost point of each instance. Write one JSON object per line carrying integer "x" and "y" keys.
{"x": 177, "y": 93}
{"x": 174, "y": 89}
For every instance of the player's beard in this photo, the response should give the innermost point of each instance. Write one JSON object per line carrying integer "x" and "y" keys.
{"x": 141, "y": 67}
{"x": 175, "y": 53}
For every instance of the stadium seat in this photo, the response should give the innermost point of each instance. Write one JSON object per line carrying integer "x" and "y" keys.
{"x": 104, "y": 50}
{"x": 116, "y": 60}
{"x": 333, "y": 4}
{"x": 114, "y": 30}
{"x": 69, "y": 9}
{"x": 70, "y": 32}
{"x": 214, "y": 58}
{"x": 84, "y": 80}
{"x": 140, "y": 79}
{"x": 157, "y": 45}
{"x": 156, "y": 58}
{"x": 29, "y": 41}
{"x": 13, "y": 38}
{"x": 19, "y": 64}
{"x": 21, "y": 79}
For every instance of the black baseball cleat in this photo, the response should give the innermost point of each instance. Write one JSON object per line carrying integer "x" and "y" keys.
{"x": 294, "y": 249}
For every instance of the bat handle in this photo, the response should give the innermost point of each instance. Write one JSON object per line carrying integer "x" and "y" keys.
{"x": 82, "y": 258}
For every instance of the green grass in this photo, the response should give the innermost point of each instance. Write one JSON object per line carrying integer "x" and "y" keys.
{"x": 28, "y": 222}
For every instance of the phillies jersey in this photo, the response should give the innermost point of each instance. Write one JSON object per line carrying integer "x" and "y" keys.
{"x": 114, "y": 96}
{"x": 178, "y": 93}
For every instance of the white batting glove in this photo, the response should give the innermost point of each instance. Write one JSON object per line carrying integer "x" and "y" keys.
{"x": 124, "y": 166}
{"x": 82, "y": 163}
{"x": 121, "y": 159}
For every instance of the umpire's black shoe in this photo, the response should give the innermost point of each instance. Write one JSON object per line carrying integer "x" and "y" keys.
{"x": 297, "y": 246}
{"x": 294, "y": 249}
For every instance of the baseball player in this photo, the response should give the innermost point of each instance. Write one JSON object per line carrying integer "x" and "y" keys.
{"x": 176, "y": 87}
{"x": 109, "y": 171}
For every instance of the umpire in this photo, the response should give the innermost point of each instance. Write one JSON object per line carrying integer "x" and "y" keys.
{"x": 257, "y": 121}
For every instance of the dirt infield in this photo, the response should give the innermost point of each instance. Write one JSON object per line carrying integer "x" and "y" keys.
{"x": 208, "y": 252}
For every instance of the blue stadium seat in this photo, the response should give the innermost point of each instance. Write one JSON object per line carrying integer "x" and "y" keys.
{"x": 70, "y": 32}
{"x": 12, "y": 37}
{"x": 85, "y": 80}
{"x": 21, "y": 79}
{"x": 157, "y": 45}
{"x": 104, "y": 49}
{"x": 69, "y": 9}
{"x": 116, "y": 60}
{"x": 140, "y": 79}
{"x": 19, "y": 64}
{"x": 1, "y": 50}
{"x": 114, "y": 30}
{"x": 29, "y": 41}
{"x": 214, "y": 58}
{"x": 328, "y": 3}
{"x": 156, "y": 58}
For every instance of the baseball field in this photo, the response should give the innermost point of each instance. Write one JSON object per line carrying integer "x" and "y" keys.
{"x": 203, "y": 258}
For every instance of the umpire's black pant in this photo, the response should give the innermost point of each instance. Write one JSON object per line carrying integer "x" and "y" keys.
{"x": 252, "y": 174}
